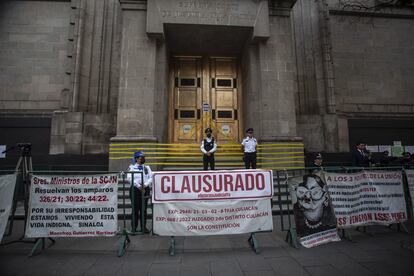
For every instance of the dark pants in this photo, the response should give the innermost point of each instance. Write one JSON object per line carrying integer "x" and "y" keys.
{"x": 208, "y": 160}
{"x": 137, "y": 195}
{"x": 250, "y": 160}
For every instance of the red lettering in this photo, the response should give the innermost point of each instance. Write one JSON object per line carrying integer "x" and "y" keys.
{"x": 249, "y": 181}
{"x": 341, "y": 221}
{"x": 165, "y": 189}
{"x": 184, "y": 185}
{"x": 398, "y": 216}
{"x": 207, "y": 187}
{"x": 382, "y": 216}
{"x": 197, "y": 185}
{"x": 239, "y": 183}
{"x": 228, "y": 185}
{"x": 260, "y": 183}
{"x": 218, "y": 185}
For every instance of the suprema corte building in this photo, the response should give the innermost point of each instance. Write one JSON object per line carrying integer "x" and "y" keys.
{"x": 79, "y": 75}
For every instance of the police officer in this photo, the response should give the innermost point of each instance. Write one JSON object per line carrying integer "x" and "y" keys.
{"x": 140, "y": 191}
{"x": 208, "y": 147}
{"x": 249, "y": 145}
{"x": 317, "y": 163}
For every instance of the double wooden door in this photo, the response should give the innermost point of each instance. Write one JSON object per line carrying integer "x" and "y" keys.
{"x": 205, "y": 92}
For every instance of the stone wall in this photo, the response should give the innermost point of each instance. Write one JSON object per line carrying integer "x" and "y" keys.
{"x": 374, "y": 64}
{"x": 269, "y": 83}
{"x": 85, "y": 121}
{"x": 314, "y": 100}
{"x": 33, "y": 55}
{"x": 278, "y": 87}
{"x": 351, "y": 63}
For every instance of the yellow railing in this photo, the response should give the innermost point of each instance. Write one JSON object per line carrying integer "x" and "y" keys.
{"x": 269, "y": 156}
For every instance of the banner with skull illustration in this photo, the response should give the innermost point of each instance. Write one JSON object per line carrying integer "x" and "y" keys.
{"x": 313, "y": 211}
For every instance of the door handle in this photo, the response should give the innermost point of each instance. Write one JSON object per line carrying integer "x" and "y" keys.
{"x": 198, "y": 114}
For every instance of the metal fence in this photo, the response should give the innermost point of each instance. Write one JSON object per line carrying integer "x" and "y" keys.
{"x": 282, "y": 203}
{"x": 283, "y": 200}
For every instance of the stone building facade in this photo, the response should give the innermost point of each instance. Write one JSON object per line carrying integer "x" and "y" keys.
{"x": 83, "y": 74}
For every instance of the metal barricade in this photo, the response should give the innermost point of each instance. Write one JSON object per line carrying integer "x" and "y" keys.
{"x": 282, "y": 196}
{"x": 125, "y": 232}
{"x": 126, "y": 204}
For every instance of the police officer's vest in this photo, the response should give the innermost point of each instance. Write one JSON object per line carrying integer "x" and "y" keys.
{"x": 209, "y": 145}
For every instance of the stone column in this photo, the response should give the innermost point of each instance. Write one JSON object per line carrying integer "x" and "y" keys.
{"x": 269, "y": 86}
{"x": 136, "y": 100}
{"x": 85, "y": 120}
{"x": 277, "y": 78}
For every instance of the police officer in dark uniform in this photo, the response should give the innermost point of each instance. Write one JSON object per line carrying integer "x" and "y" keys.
{"x": 208, "y": 147}
{"x": 316, "y": 165}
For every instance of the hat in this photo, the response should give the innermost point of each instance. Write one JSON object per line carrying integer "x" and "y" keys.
{"x": 317, "y": 156}
{"x": 208, "y": 130}
{"x": 249, "y": 130}
{"x": 138, "y": 154}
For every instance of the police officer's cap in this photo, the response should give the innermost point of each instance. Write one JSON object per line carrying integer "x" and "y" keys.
{"x": 208, "y": 130}
{"x": 317, "y": 156}
{"x": 249, "y": 130}
{"x": 138, "y": 154}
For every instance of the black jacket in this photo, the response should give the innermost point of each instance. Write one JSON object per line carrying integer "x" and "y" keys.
{"x": 359, "y": 160}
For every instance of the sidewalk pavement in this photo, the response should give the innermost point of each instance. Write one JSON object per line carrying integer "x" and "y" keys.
{"x": 383, "y": 252}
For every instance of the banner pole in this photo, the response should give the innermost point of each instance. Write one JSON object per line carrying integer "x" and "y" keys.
{"x": 14, "y": 206}
{"x": 279, "y": 199}
{"x": 171, "y": 249}
{"x": 291, "y": 238}
{"x": 123, "y": 243}
{"x": 253, "y": 243}
{"x": 132, "y": 193}
{"x": 123, "y": 199}
{"x": 345, "y": 234}
{"x": 408, "y": 201}
{"x": 40, "y": 242}
{"x": 143, "y": 213}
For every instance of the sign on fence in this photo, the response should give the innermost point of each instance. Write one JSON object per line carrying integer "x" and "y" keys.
{"x": 313, "y": 211}
{"x": 72, "y": 206}
{"x": 367, "y": 198}
{"x": 212, "y": 203}
{"x": 7, "y": 186}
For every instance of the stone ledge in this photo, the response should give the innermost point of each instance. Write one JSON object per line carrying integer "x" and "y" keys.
{"x": 281, "y": 139}
{"x": 133, "y": 139}
{"x": 133, "y": 5}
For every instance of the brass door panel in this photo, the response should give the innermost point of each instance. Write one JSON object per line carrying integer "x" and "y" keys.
{"x": 187, "y": 94}
{"x": 205, "y": 93}
{"x": 225, "y": 99}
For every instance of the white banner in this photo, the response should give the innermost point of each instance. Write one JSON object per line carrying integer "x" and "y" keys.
{"x": 366, "y": 198}
{"x": 7, "y": 185}
{"x": 320, "y": 238}
{"x": 410, "y": 180}
{"x": 212, "y": 217}
{"x": 73, "y": 206}
{"x": 212, "y": 185}
{"x": 312, "y": 208}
